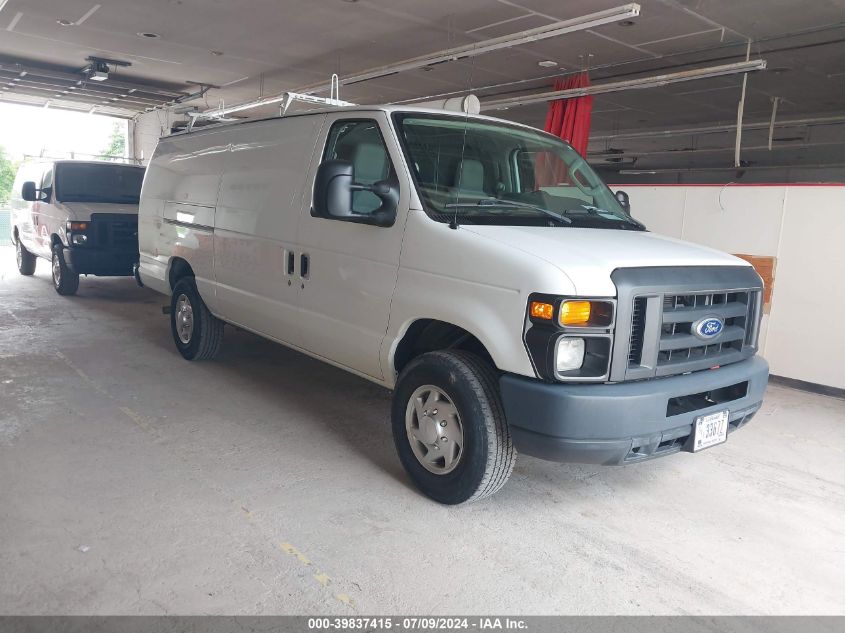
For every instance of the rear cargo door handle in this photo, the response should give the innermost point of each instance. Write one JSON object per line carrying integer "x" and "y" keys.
{"x": 304, "y": 265}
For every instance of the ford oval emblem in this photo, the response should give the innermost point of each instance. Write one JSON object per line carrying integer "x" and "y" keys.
{"x": 708, "y": 328}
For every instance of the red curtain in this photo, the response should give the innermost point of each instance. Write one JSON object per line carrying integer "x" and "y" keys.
{"x": 570, "y": 118}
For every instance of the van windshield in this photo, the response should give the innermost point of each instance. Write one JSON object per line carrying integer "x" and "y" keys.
{"x": 480, "y": 172}
{"x": 86, "y": 182}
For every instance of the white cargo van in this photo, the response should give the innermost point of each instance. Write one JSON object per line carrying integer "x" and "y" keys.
{"x": 80, "y": 215}
{"x": 478, "y": 268}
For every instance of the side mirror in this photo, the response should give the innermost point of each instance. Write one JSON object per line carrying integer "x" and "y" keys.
{"x": 333, "y": 189}
{"x": 624, "y": 200}
{"x": 29, "y": 192}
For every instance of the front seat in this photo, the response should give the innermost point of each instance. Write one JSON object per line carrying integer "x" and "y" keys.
{"x": 469, "y": 179}
{"x": 370, "y": 165}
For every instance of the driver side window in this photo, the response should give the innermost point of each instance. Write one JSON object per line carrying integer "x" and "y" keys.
{"x": 47, "y": 183}
{"x": 360, "y": 142}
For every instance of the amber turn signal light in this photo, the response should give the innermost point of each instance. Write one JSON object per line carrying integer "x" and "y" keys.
{"x": 540, "y": 310}
{"x": 575, "y": 313}
{"x": 77, "y": 226}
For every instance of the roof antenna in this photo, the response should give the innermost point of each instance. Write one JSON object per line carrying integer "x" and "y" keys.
{"x": 453, "y": 223}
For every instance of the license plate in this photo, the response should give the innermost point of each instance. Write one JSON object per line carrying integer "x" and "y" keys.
{"x": 710, "y": 430}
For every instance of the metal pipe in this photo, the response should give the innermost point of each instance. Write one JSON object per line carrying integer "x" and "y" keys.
{"x": 555, "y": 29}
{"x": 740, "y": 109}
{"x": 655, "y": 81}
{"x": 673, "y": 170}
{"x": 544, "y": 78}
{"x": 715, "y": 129}
{"x": 775, "y": 101}
{"x": 705, "y": 150}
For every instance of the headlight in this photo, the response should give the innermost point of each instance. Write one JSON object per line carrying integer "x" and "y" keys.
{"x": 79, "y": 238}
{"x": 586, "y": 313}
{"x": 570, "y": 338}
{"x": 569, "y": 354}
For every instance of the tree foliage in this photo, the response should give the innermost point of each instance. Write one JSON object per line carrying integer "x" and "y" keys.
{"x": 8, "y": 169}
{"x": 117, "y": 142}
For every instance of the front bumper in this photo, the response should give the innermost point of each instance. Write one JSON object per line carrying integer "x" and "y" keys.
{"x": 100, "y": 262}
{"x": 630, "y": 421}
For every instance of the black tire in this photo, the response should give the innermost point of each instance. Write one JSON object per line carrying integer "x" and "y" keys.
{"x": 487, "y": 456}
{"x": 206, "y": 332}
{"x": 65, "y": 281}
{"x": 25, "y": 259}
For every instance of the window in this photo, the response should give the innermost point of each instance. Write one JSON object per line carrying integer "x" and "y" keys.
{"x": 360, "y": 143}
{"x": 93, "y": 182}
{"x": 47, "y": 182}
{"x": 480, "y": 172}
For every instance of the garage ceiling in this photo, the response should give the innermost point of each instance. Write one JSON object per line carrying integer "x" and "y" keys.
{"x": 243, "y": 50}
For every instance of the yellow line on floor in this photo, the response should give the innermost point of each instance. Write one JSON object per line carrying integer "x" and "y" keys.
{"x": 321, "y": 577}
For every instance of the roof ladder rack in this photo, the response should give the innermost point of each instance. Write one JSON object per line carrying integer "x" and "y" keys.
{"x": 284, "y": 100}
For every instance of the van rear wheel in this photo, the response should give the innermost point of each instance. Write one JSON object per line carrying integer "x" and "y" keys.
{"x": 65, "y": 281}
{"x": 197, "y": 333}
{"x": 449, "y": 427}
{"x": 25, "y": 259}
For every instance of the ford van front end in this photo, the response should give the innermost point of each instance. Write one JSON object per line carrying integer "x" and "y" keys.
{"x": 672, "y": 369}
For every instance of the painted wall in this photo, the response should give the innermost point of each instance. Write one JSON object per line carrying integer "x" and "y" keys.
{"x": 803, "y": 226}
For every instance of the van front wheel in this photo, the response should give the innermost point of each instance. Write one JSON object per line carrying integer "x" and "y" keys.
{"x": 25, "y": 259}
{"x": 65, "y": 281}
{"x": 449, "y": 427}
{"x": 196, "y": 332}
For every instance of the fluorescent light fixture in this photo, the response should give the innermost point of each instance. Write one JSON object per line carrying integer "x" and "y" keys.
{"x": 88, "y": 14}
{"x": 467, "y": 51}
{"x": 556, "y": 29}
{"x": 15, "y": 21}
{"x": 655, "y": 81}
{"x": 3, "y": 4}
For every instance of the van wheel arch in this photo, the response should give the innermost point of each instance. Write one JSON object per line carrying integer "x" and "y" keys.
{"x": 179, "y": 269}
{"x": 431, "y": 335}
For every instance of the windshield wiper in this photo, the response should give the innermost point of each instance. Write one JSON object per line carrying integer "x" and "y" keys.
{"x": 594, "y": 210}
{"x": 495, "y": 202}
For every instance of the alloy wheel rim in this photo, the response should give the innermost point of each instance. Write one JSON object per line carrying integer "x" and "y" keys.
{"x": 57, "y": 270}
{"x": 434, "y": 429}
{"x": 184, "y": 318}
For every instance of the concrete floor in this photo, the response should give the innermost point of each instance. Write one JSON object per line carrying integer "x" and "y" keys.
{"x": 134, "y": 482}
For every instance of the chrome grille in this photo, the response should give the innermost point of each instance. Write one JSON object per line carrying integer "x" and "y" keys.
{"x": 678, "y": 349}
{"x": 679, "y": 345}
{"x": 115, "y": 231}
{"x": 656, "y": 310}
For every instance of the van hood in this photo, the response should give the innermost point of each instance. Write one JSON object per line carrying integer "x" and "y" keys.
{"x": 82, "y": 210}
{"x": 589, "y": 256}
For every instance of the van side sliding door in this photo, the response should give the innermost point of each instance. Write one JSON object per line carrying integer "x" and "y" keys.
{"x": 255, "y": 256}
